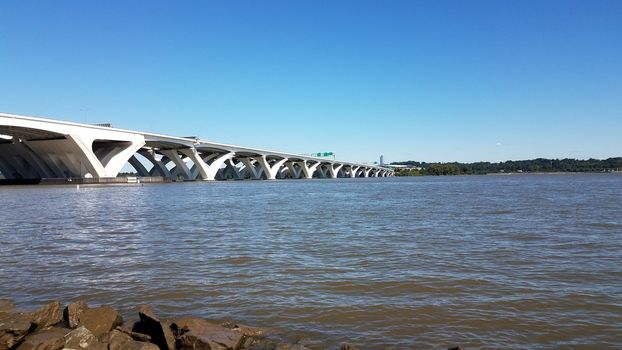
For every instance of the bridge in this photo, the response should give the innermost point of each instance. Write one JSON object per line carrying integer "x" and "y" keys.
{"x": 37, "y": 148}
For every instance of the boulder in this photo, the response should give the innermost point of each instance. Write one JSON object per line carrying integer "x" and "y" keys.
{"x": 49, "y": 315}
{"x": 118, "y": 340}
{"x": 83, "y": 339}
{"x": 149, "y": 324}
{"x": 198, "y": 334}
{"x": 6, "y": 305}
{"x": 346, "y": 346}
{"x": 13, "y": 328}
{"x": 262, "y": 344}
{"x": 246, "y": 330}
{"x": 46, "y": 339}
{"x": 72, "y": 312}
{"x": 136, "y": 336}
{"x": 100, "y": 320}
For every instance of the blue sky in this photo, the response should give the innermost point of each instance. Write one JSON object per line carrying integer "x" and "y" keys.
{"x": 413, "y": 80}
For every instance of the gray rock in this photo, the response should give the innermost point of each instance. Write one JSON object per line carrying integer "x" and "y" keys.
{"x": 13, "y": 328}
{"x": 72, "y": 312}
{"x": 198, "y": 334}
{"x": 118, "y": 340}
{"x": 150, "y": 325}
{"x": 100, "y": 320}
{"x": 45, "y": 339}
{"x": 83, "y": 339}
{"x": 48, "y": 315}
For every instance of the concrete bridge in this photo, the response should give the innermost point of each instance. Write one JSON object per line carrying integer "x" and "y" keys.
{"x": 36, "y": 148}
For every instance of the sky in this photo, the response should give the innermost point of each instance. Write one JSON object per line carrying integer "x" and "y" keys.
{"x": 430, "y": 80}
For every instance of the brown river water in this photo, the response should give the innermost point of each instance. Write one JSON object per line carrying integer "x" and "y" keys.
{"x": 487, "y": 262}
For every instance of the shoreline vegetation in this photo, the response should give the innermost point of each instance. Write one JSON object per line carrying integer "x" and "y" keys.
{"x": 531, "y": 166}
{"x": 80, "y": 327}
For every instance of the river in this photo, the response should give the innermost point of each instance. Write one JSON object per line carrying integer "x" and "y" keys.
{"x": 487, "y": 262}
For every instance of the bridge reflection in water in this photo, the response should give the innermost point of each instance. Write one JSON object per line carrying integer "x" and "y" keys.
{"x": 36, "y": 148}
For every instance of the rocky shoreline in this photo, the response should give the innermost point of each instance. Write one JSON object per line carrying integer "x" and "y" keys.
{"x": 80, "y": 327}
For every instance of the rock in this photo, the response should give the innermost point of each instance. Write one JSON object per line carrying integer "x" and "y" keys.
{"x": 100, "y": 320}
{"x": 83, "y": 339}
{"x": 262, "y": 344}
{"x": 13, "y": 328}
{"x": 129, "y": 325}
{"x": 6, "y": 305}
{"x": 118, "y": 340}
{"x": 134, "y": 335}
{"x": 291, "y": 347}
{"x": 46, "y": 339}
{"x": 246, "y": 330}
{"x": 48, "y": 315}
{"x": 272, "y": 345}
{"x": 160, "y": 332}
{"x": 346, "y": 346}
{"x": 456, "y": 348}
{"x": 266, "y": 344}
{"x": 72, "y": 312}
{"x": 198, "y": 334}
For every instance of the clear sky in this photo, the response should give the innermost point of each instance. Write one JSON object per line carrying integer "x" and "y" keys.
{"x": 430, "y": 80}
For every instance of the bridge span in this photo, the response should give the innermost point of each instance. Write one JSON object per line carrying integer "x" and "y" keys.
{"x": 37, "y": 148}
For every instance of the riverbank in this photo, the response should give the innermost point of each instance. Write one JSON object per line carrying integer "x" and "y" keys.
{"x": 78, "y": 326}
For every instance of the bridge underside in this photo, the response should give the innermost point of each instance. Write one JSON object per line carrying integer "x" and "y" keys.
{"x": 40, "y": 149}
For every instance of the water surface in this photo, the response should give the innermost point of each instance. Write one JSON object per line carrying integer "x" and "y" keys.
{"x": 488, "y": 262}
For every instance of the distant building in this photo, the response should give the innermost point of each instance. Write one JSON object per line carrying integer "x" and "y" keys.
{"x": 381, "y": 160}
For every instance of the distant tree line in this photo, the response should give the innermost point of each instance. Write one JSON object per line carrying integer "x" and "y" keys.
{"x": 529, "y": 166}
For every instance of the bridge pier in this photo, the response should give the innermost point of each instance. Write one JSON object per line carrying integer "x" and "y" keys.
{"x": 270, "y": 167}
{"x": 334, "y": 169}
{"x": 180, "y": 169}
{"x": 295, "y": 170}
{"x": 352, "y": 170}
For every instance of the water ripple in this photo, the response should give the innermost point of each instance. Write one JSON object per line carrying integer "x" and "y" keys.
{"x": 483, "y": 261}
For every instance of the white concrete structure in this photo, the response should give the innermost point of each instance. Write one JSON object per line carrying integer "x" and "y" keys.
{"x": 36, "y": 148}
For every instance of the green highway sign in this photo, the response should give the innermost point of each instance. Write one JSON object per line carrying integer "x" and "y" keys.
{"x": 323, "y": 154}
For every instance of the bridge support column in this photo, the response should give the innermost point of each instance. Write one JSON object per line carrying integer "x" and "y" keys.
{"x": 322, "y": 171}
{"x": 138, "y": 166}
{"x": 7, "y": 170}
{"x": 158, "y": 166}
{"x": 236, "y": 173}
{"x": 255, "y": 170}
{"x": 24, "y": 161}
{"x": 207, "y": 167}
{"x": 353, "y": 170}
{"x": 308, "y": 170}
{"x": 295, "y": 169}
{"x": 102, "y": 158}
{"x": 334, "y": 169}
{"x": 180, "y": 167}
{"x": 270, "y": 170}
